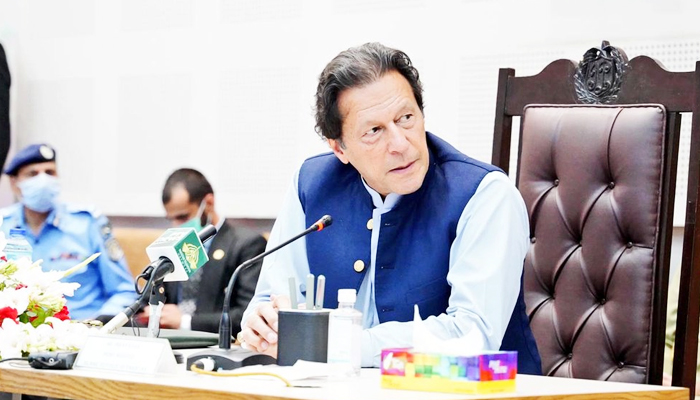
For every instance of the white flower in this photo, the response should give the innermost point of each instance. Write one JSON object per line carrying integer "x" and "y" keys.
{"x": 35, "y": 296}
{"x": 15, "y": 298}
{"x": 23, "y": 338}
{"x": 70, "y": 335}
{"x": 12, "y": 339}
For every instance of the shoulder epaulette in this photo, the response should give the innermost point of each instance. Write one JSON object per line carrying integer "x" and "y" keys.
{"x": 83, "y": 208}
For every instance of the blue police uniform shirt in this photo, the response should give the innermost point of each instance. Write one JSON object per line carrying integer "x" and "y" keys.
{"x": 70, "y": 235}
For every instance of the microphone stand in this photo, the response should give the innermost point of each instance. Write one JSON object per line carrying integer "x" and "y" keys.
{"x": 156, "y": 302}
{"x": 224, "y": 357}
{"x": 157, "y": 298}
{"x": 154, "y": 272}
{"x": 154, "y": 275}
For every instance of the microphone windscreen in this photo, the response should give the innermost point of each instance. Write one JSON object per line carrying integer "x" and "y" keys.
{"x": 183, "y": 248}
{"x": 326, "y": 220}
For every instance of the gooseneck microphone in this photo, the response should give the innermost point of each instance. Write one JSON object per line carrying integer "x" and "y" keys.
{"x": 225, "y": 357}
{"x": 153, "y": 273}
{"x": 225, "y": 322}
{"x": 182, "y": 248}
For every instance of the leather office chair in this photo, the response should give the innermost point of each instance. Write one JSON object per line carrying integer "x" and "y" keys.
{"x": 597, "y": 167}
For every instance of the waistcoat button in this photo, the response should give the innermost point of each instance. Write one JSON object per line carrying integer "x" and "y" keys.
{"x": 359, "y": 266}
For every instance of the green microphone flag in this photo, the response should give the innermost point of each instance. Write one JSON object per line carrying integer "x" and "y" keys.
{"x": 183, "y": 247}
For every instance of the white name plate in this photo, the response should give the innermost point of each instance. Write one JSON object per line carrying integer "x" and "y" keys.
{"x": 130, "y": 354}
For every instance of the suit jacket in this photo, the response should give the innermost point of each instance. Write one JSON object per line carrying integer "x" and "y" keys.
{"x": 238, "y": 245}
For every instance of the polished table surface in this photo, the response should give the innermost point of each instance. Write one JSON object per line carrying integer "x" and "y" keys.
{"x": 101, "y": 385}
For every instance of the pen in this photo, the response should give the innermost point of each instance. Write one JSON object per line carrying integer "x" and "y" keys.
{"x": 293, "y": 292}
{"x": 310, "y": 291}
{"x": 80, "y": 265}
{"x": 320, "y": 287}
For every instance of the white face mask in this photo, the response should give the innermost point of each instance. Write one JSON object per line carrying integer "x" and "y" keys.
{"x": 39, "y": 193}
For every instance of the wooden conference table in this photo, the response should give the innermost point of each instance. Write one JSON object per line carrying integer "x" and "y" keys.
{"x": 100, "y": 385}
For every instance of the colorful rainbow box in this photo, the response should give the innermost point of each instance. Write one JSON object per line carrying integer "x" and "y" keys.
{"x": 489, "y": 372}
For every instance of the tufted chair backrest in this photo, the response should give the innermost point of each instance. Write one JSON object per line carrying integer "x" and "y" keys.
{"x": 591, "y": 178}
{"x": 597, "y": 162}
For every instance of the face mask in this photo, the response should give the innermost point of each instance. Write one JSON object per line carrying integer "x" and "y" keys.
{"x": 196, "y": 222}
{"x": 39, "y": 192}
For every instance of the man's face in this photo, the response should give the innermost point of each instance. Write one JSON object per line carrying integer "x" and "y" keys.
{"x": 179, "y": 209}
{"x": 383, "y": 135}
{"x": 30, "y": 171}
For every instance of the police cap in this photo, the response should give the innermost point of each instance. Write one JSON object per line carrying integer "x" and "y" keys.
{"x": 32, "y": 154}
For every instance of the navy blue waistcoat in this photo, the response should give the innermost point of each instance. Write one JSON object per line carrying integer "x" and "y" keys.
{"x": 414, "y": 241}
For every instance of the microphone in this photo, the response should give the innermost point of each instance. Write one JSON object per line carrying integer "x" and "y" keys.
{"x": 160, "y": 268}
{"x": 224, "y": 357}
{"x": 185, "y": 250}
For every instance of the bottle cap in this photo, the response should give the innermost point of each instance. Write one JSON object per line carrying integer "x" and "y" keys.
{"x": 17, "y": 231}
{"x": 347, "y": 295}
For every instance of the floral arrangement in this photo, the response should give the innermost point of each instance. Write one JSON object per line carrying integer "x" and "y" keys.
{"x": 33, "y": 312}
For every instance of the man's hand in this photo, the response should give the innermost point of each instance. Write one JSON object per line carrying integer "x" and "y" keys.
{"x": 170, "y": 316}
{"x": 260, "y": 330}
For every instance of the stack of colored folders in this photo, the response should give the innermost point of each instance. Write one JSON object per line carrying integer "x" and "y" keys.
{"x": 489, "y": 372}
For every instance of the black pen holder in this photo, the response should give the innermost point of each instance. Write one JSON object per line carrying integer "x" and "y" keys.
{"x": 303, "y": 335}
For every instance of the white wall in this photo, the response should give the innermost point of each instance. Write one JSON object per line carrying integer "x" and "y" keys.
{"x": 129, "y": 90}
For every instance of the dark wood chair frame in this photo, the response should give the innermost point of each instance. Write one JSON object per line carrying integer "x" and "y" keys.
{"x": 644, "y": 80}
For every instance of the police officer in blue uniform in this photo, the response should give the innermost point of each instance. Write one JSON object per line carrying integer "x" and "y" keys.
{"x": 63, "y": 235}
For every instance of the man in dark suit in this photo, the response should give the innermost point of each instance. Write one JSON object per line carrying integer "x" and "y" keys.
{"x": 196, "y": 304}
{"x": 4, "y": 107}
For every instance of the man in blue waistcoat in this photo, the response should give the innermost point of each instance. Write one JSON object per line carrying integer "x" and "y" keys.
{"x": 414, "y": 222}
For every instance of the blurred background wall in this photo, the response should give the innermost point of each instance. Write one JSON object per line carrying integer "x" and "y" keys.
{"x": 127, "y": 91}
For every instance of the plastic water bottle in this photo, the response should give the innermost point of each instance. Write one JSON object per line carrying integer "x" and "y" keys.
{"x": 345, "y": 332}
{"x": 17, "y": 246}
